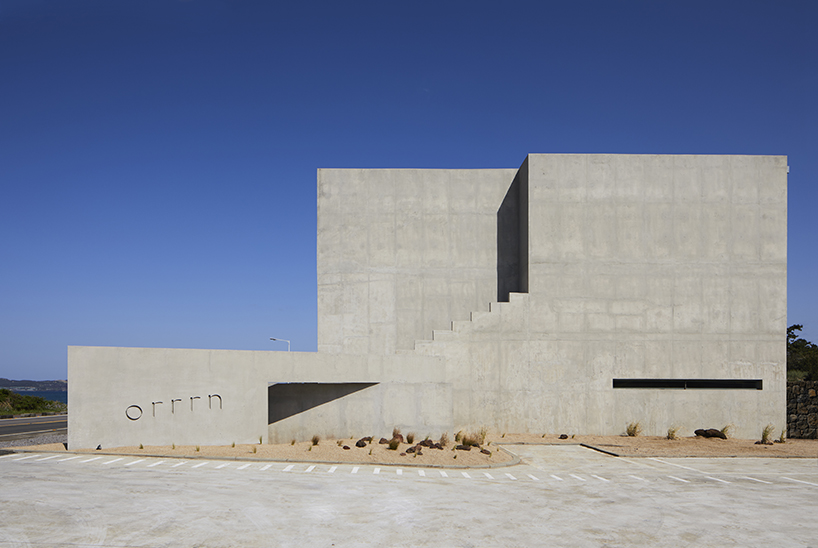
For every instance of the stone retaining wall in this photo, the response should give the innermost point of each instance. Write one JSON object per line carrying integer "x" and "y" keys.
{"x": 802, "y": 409}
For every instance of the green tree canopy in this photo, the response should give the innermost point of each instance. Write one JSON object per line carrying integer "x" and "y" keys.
{"x": 802, "y": 356}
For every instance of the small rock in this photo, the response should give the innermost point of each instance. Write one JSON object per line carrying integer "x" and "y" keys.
{"x": 463, "y": 447}
{"x": 411, "y": 450}
{"x": 485, "y": 451}
{"x": 563, "y": 436}
{"x": 346, "y": 448}
{"x": 403, "y": 454}
{"x": 360, "y": 443}
{"x": 383, "y": 440}
{"x": 398, "y": 437}
{"x": 437, "y": 446}
{"x": 419, "y": 452}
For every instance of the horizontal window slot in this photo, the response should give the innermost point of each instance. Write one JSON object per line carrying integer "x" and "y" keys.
{"x": 690, "y": 384}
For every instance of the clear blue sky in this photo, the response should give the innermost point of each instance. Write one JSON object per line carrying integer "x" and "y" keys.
{"x": 158, "y": 159}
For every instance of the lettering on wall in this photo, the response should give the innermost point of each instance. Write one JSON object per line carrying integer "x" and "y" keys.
{"x": 134, "y": 412}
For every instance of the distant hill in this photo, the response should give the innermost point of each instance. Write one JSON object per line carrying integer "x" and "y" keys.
{"x": 59, "y": 386}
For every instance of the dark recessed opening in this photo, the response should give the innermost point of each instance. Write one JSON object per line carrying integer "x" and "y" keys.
{"x": 690, "y": 384}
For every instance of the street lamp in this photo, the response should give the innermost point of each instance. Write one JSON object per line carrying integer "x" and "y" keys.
{"x": 283, "y": 340}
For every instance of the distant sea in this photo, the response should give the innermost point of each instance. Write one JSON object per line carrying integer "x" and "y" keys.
{"x": 53, "y": 395}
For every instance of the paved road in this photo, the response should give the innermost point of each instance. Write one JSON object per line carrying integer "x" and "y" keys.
{"x": 558, "y": 496}
{"x": 25, "y": 427}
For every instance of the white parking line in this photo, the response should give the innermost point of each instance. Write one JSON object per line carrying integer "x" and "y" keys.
{"x": 155, "y": 464}
{"x": 310, "y": 468}
{"x": 179, "y": 464}
{"x": 9, "y": 455}
{"x": 332, "y": 470}
{"x": 535, "y": 478}
{"x": 48, "y": 458}
{"x": 509, "y": 476}
{"x": 265, "y": 467}
{"x": 89, "y": 460}
{"x": 466, "y": 475}
{"x": 678, "y": 479}
{"x": 288, "y": 467}
{"x": 758, "y": 480}
{"x": 677, "y": 465}
{"x": 599, "y": 477}
{"x": 489, "y": 476}
{"x": 135, "y": 462}
{"x": 800, "y": 481}
{"x": 28, "y": 457}
{"x": 69, "y": 458}
{"x": 399, "y": 472}
{"x": 422, "y": 473}
{"x": 244, "y": 466}
{"x": 222, "y": 465}
{"x": 577, "y": 477}
{"x": 716, "y": 479}
{"x": 640, "y": 479}
{"x": 115, "y": 460}
{"x": 355, "y": 469}
{"x": 444, "y": 474}
{"x": 376, "y": 471}
{"x": 556, "y": 477}
{"x": 200, "y": 464}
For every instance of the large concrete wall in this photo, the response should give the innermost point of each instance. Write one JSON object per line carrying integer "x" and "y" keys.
{"x": 639, "y": 267}
{"x": 386, "y": 391}
{"x": 402, "y": 252}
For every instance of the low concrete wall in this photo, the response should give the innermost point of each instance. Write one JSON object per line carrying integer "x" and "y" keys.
{"x": 160, "y": 396}
{"x": 802, "y": 409}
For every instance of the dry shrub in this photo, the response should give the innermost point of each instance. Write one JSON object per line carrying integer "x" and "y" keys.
{"x": 410, "y": 437}
{"x": 444, "y": 439}
{"x": 315, "y": 439}
{"x": 633, "y": 429}
{"x": 671, "y": 432}
{"x": 394, "y": 443}
{"x": 766, "y": 432}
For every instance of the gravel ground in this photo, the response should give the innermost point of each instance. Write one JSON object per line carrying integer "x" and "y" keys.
{"x": 37, "y": 440}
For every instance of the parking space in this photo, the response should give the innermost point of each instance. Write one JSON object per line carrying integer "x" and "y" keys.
{"x": 570, "y": 496}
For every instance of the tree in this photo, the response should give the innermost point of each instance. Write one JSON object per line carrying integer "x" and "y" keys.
{"x": 802, "y": 356}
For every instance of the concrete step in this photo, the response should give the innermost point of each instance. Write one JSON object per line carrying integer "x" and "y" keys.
{"x": 477, "y": 316}
{"x": 459, "y": 326}
{"x": 443, "y": 335}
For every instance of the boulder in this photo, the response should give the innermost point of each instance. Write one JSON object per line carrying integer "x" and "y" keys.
{"x": 463, "y": 447}
{"x": 563, "y": 436}
{"x": 346, "y": 448}
{"x": 360, "y": 443}
{"x": 411, "y": 450}
{"x": 485, "y": 451}
{"x": 710, "y": 433}
{"x": 383, "y": 440}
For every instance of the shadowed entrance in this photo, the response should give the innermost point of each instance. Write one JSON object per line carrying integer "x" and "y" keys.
{"x": 287, "y": 399}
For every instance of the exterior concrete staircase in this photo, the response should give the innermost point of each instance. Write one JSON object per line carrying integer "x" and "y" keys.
{"x": 479, "y": 321}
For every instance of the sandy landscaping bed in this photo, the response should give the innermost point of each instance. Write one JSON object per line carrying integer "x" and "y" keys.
{"x": 656, "y": 446}
{"x": 375, "y": 453}
{"x": 325, "y": 451}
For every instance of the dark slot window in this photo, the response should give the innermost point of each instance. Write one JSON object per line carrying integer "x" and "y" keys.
{"x": 690, "y": 384}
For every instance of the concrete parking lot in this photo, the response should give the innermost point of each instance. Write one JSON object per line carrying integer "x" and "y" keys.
{"x": 557, "y": 496}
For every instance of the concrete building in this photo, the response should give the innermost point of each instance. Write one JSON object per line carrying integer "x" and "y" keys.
{"x": 575, "y": 294}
